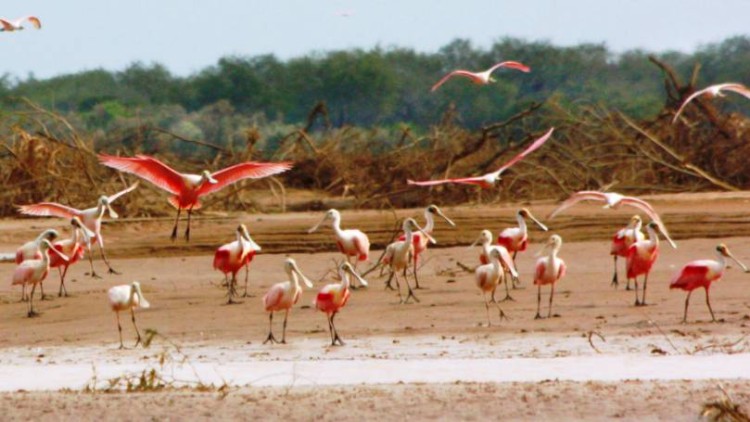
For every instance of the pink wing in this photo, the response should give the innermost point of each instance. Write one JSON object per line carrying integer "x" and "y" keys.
{"x": 49, "y": 209}
{"x": 112, "y": 198}
{"x": 7, "y": 26}
{"x": 533, "y": 147}
{"x": 511, "y": 65}
{"x": 35, "y": 21}
{"x": 147, "y": 168}
{"x": 690, "y": 277}
{"x": 738, "y": 88}
{"x": 646, "y": 207}
{"x": 731, "y": 86}
{"x": 563, "y": 270}
{"x": 507, "y": 260}
{"x": 464, "y": 180}
{"x": 689, "y": 99}
{"x": 584, "y": 195}
{"x": 248, "y": 170}
{"x": 464, "y": 73}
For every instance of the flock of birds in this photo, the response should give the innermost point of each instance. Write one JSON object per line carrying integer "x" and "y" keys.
{"x": 497, "y": 259}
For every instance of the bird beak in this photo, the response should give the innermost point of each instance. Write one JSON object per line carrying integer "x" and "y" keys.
{"x": 357, "y": 276}
{"x": 112, "y": 213}
{"x": 430, "y": 238}
{"x": 87, "y": 235}
{"x": 666, "y": 236}
{"x": 142, "y": 302}
{"x": 479, "y": 239}
{"x": 448, "y": 220}
{"x": 545, "y": 248}
{"x": 537, "y": 222}
{"x": 315, "y": 227}
{"x": 729, "y": 254}
{"x": 306, "y": 280}
{"x": 58, "y": 253}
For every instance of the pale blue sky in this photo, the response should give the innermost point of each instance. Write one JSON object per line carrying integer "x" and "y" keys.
{"x": 187, "y": 35}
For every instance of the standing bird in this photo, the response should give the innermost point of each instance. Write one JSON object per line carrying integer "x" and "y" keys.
{"x": 488, "y": 180}
{"x": 641, "y": 256}
{"x": 351, "y": 242}
{"x": 34, "y": 271}
{"x": 485, "y": 238}
{"x": 488, "y": 277}
{"x": 231, "y": 257}
{"x": 31, "y": 250}
{"x": 282, "y": 296}
{"x": 332, "y": 297}
{"x": 17, "y": 24}
{"x": 549, "y": 270}
{"x": 74, "y": 248}
{"x": 421, "y": 242}
{"x": 622, "y": 240}
{"x": 124, "y": 297}
{"x": 714, "y": 91}
{"x": 516, "y": 239}
{"x": 614, "y": 201}
{"x": 701, "y": 273}
{"x": 91, "y": 218}
{"x": 481, "y": 78}
{"x": 400, "y": 253}
{"x": 187, "y": 189}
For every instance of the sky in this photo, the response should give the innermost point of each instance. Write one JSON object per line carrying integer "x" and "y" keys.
{"x": 189, "y": 35}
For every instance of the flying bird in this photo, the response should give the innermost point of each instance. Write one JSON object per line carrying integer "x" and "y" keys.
{"x": 714, "y": 91}
{"x": 187, "y": 189}
{"x": 17, "y": 24}
{"x": 481, "y": 78}
{"x": 488, "y": 180}
{"x": 127, "y": 297}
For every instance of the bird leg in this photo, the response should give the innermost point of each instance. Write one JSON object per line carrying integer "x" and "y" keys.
{"x": 501, "y": 314}
{"x": 487, "y": 308}
{"x": 614, "y": 276}
{"x": 187, "y": 230}
{"x": 91, "y": 263}
{"x": 516, "y": 280}
{"x": 398, "y": 286}
{"x": 708, "y": 302}
{"x": 270, "y": 337}
{"x": 119, "y": 329}
{"x": 687, "y": 300}
{"x": 330, "y": 329}
{"x": 411, "y": 292}
{"x": 388, "y": 285}
{"x": 538, "y": 301}
{"x": 635, "y": 283}
{"x": 100, "y": 241}
{"x": 416, "y": 280}
{"x": 41, "y": 286}
{"x": 31, "y": 312}
{"x": 231, "y": 290}
{"x": 176, "y": 220}
{"x": 24, "y": 297}
{"x": 492, "y": 296}
{"x": 247, "y": 275}
{"x": 283, "y": 332}
{"x": 62, "y": 282}
{"x": 507, "y": 291}
{"x": 348, "y": 260}
{"x": 138, "y": 333}
{"x": 643, "y": 294}
{"x": 551, "y": 295}
{"x": 336, "y": 337}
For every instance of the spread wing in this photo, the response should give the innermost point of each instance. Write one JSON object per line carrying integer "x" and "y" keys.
{"x": 247, "y": 170}
{"x": 584, "y": 195}
{"x": 533, "y": 147}
{"x": 738, "y": 88}
{"x": 511, "y": 65}
{"x": 49, "y": 209}
{"x": 112, "y": 198}
{"x": 652, "y": 214}
{"x": 478, "y": 180}
{"x": 35, "y": 21}
{"x": 7, "y": 26}
{"x": 147, "y": 168}
{"x": 464, "y": 73}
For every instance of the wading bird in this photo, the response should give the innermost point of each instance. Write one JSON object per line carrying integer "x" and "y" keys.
{"x": 17, "y": 24}
{"x": 714, "y": 91}
{"x": 421, "y": 242}
{"x": 701, "y": 273}
{"x": 332, "y": 297}
{"x": 622, "y": 240}
{"x": 30, "y": 250}
{"x": 488, "y": 180}
{"x": 231, "y": 257}
{"x": 282, "y": 296}
{"x": 488, "y": 277}
{"x": 482, "y": 78}
{"x": 485, "y": 239}
{"x": 34, "y": 271}
{"x": 74, "y": 248}
{"x": 614, "y": 201}
{"x": 187, "y": 189}
{"x": 351, "y": 242}
{"x": 400, "y": 253}
{"x": 641, "y": 256}
{"x": 516, "y": 239}
{"x": 549, "y": 270}
{"x": 91, "y": 218}
{"x": 127, "y": 297}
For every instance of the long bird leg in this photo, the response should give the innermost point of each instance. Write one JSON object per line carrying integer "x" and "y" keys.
{"x": 487, "y": 308}
{"x": 100, "y": 241}
{"x": 501, "y": 314}
{"x": 187, "y": 230}
{"x": 330, "y": 329}
{"x": 398, "y": 286}
{"x": 411, "y": 292}
{"x": 388, "y": 285}
{"x": 516, "y": 280}
{"x": 176, "y": 220}
{"x": 283, "y": 333}
{"x": 507, "y": 291}
{"x": 687, "y": 300}
{"x": 492, "y": 297}
{"x": 635, "y": 283}
{"x": 119, "y": 329}
{"x": 138, "y": 333}
{"x": 416, "y": 280}
{"x": 538, "y": 301}
{"x": 41, "y": 286}
{"x": 231, "y": 291}
{"x": 551, "y": 295}
{"x": 31, "y": 302}
{"x": 270, "y": 337}
{"x": 643, "y": 294}
{"x": 91, "y": 263}
{"x": 348, "y": 260}
{"x": 335, "y": 332}
{"x": 708, "y": 302}
{"x": 62, "y": 282}
{"x": 614, "y": 276}
{"x": 247, "y": 275}
{"x": 24, "y": 297}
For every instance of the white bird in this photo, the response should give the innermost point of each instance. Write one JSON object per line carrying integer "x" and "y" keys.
{"x": 124, "y": 297}
{"x": 351, "y": 242}
{"x": 282, "y": 296}
{"x": 399, "y": 254}
{"x": 482, "y": 78}
{"x": 714, "y": 91}
{"x": 30, "y": 250}
{"x": 614, "y": 200}
{"x": 485, "y": 238}
{"x": 34, "y": 271}
{"x": 17, "y": 24}
{"x": 487, "y": 277}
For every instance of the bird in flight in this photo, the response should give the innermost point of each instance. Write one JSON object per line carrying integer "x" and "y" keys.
{"x": 482, "y": 78}
{"x": 17, "y": 24}
{"x": 714, "y": 91}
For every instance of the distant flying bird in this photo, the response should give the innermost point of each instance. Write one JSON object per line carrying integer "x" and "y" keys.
{"x": 489, "y": 179}
{"x": 714, "y": 91}
{"x": 344, "y": 13}
{"x": 549, "y": 270}
{"x": 282, "y": 296}
{"x": 127, "y": 297}
{"x": 482, "y": 78}
{"x": 16, "y": 25}
{"x": 614, "y": 200}
{"x": 187, "y": 189}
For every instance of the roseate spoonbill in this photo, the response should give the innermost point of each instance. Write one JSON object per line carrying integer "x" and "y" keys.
{"x": 488, "y": 180}
{"x": 91, "y": 218}
{"x": 482, "y": 78}
{"x": 127, "y": 297}
{"x": 282, "y": 296}
{"x": 549, "y": 270}
{"x": 701, "y": 273}
{"x": 17, "y": 24}
{"x": 714, "y": 91}
{"x": 187, "y": 189}
{"x": 614, "y": 201}
{"x": 641, "y": 256}
{"x": 485, "y": 239}
{"x": 351, "y": 242}
{"x": 400, "y": 253}
{"x": 34, "y": 271}
{"x": 332, "y": 297}
{"x": 30, "y": 250}
{"x": 73, "y": 248}
{"x": 622, "y": 240}
{"x": 487, "y": 278}
{"x": 231, "y": 257}
{"x": 421, "y": 242}
{"x": 516, "y": 239}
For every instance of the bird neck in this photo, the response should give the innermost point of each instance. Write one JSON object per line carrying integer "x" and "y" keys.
{"x": 521, "y": 223}
{"x": 295, "y": 280}
{"x": 430, "y": 222}
{"x": 721, "y": 259}
{"x": 653, "y": 237}
{"x": 344, "y": 279}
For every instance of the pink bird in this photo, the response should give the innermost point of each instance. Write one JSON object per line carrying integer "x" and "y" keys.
{"x": 282, "y": 296}
{"x": 34, "y": 271}
{"x": 73, "y": 248}
{"x": 549, "y": 270}
{"x": 17, "y": 24}
{"x": 488, "y": 180}
{"x": 399, "y": 254}
{"x": 614, "y": 201}
{"x": 516, "y": 239}
{"x": 91, "y": 218}
{"x": 332, "y": 297}
{"x": 714, "y": 91}
{"x": 231, "y": 257}
{"x": 482, "y": 78}
{"x": 187, "y": 189}
{"x": 485, "y": 238}
{"x": 641, "y": 256}
{"x": 421, "y": 242}
{"x": 30, "y": 250}
{"x": 351, "y": 242}
{"x": 622, "y": 240}
{"x": 702, "y": 273}
{"x": 487, "y": 278}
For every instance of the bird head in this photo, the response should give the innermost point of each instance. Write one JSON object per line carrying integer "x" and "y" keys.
{"x": 206, "y": 177}
{"x": 345, "y": 268}
{"x": 142, "y": 302}
{"x": 723, "y": 250}
{"x": 525, "y": 213}
{"x": 332, "y": 214}
{"x": 104, "y": 202}
{"x": 290, "y": 265}
{"x": 433, "y": 209}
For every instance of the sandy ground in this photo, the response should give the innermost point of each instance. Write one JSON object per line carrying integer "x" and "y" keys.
{"x": 445, "y": 331}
